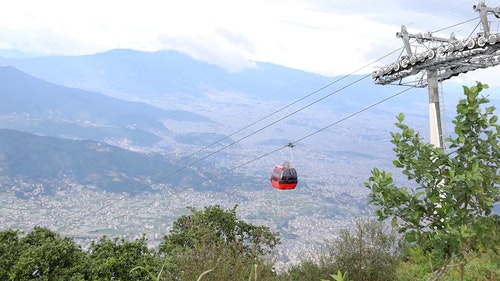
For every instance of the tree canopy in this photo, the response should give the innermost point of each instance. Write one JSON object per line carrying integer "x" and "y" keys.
{"x": 214, "y": 238}
{"x": 43, "y": 255}
{"x": 449, "y": 207}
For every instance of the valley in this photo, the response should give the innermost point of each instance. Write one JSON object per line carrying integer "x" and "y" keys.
{"x": 199, "y": 140}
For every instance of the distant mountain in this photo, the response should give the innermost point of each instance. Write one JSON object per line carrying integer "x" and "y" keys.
{"x": 11, "y": 53}
{"x": 165, "y": 72}
{"x": 50, "y": 161}
{"x": 148, "y": 76}
{"x": 34, "y": 105}
{"x": 40, "y": 159}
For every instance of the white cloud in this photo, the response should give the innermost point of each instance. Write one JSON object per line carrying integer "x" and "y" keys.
{"x": 331, "y": 37}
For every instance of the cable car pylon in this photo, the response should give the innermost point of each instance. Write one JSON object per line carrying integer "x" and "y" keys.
{"x": 431, "y": 60}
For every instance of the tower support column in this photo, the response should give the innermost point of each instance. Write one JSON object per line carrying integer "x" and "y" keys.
{"x": 436, "y": 131}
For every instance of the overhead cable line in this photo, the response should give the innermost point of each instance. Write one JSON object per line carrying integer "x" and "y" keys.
{"x": 298, "y": 140}
{"x": 281, "y": 109}
{"x": 300, "y": 109}
{"x": 248, "y": 135}
{"x": 276, "y": 121}
{"x": 457, "y": 24}
{"x": 310, "y": 135}
{"x": 253, "y": 133}
{"x": 285, "y": 107}
{"x": 286, "y": 116}
{"x": 262, "y": 128}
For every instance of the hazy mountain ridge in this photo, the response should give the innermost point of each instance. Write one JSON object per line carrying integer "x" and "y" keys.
{"x": 41, "y": 159}
{"x": 29, "y": 162}
{"x": 163, "y": 72}
{"x": 29, "y": 102}
{"x": 70, "y": 123}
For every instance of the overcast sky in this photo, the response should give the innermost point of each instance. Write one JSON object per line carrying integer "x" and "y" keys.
{"x": 323, "y": 36}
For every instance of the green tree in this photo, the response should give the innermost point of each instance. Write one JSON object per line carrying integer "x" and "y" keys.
{"x": 449, "y": 207}
{"x": 216, "y": 239}
{"x": 45, "y": 255}
{"x": 314, "y": 269}
{"x": 369, "y": 252}
{"x": 10, "y": 249}
{"x": 116, "y": 258}
{"x": 417, "y": 266}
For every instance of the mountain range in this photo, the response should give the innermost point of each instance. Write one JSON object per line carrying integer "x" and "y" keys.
{"x": 136, "y": 73}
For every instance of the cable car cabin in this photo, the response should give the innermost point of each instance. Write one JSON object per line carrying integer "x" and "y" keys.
{"x": 284, "y": 177}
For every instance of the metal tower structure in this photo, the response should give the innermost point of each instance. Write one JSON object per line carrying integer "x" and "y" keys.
{"x": 430, "y": 60}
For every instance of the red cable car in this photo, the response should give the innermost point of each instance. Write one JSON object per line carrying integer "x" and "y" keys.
{"x": 284, "y": 177}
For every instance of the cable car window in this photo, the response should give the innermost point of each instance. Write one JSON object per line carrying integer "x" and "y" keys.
{"x": 276, "y": 175}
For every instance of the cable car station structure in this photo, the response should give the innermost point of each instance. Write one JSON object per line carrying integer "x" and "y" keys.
{"x": 430, "y": 60}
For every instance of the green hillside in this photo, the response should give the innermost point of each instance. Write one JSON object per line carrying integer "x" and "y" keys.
{"x": 41, "y": 158}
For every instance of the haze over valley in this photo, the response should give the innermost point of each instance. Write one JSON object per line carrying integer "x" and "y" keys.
{"x": 120, "y": 143}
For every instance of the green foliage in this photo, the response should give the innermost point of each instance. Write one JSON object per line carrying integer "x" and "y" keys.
{"x": 310, "y": 270}
{"x": 223, "y": 227}
{"x": 253, "y": 273}
{"x": 117, "y": 258}
{"x": 45, "y": 255}
{"x": 10, "y": 249}
{"x": 216, "y": 239}
{"x": 337, "y": 277}
{"x": 151, "y": 275}
{"x": 370, "y": 252}
{"x": 447, "y": 210}
{"x": 419, "y": 265}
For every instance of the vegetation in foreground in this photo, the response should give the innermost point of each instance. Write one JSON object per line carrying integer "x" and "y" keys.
{"x": 448, "y": 213}
{"x": 443, "y": 227}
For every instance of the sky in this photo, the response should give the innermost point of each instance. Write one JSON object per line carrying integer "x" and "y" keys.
{"x": 328, "y": 37}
